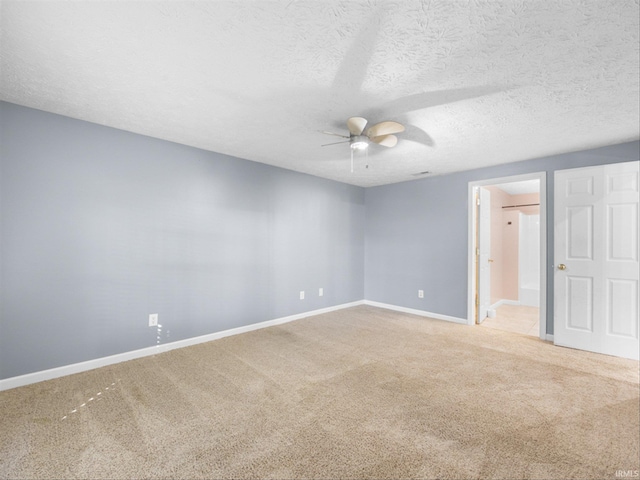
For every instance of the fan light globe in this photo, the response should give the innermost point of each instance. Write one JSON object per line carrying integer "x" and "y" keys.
{"x": 359, "y": 142}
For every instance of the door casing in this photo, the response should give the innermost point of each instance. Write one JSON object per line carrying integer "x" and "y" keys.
{"x": 472, "y": 245}
{"x": 483, "y": 269}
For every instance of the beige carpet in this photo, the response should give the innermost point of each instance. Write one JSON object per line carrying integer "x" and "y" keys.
{"x": 358, "y": 393}
{"x": 516, "y": 319}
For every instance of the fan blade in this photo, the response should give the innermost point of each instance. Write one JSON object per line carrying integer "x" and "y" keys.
{"x": 385, "y": 140}
{"x": 356, "y": 125}
{"x": 336, "y": 134}
{"x": 335, "y": 143}
{"x": 384, "y": 128}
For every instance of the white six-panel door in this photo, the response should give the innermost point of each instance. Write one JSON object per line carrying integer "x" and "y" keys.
{"x": 597, "y": 272}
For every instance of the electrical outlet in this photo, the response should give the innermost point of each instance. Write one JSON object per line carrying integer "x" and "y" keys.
{"x": 420, "y": 293}
{"x": 301, "y": 294}
{"x": 320, "y": 292}
{"x": 153, "y": 320}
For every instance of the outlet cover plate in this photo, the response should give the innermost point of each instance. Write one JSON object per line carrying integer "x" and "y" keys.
{"x": 153, "y": 320}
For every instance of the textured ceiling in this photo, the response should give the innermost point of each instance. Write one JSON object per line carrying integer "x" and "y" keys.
{"x": 519, "y": 188}
{"x": 476, "y": 83}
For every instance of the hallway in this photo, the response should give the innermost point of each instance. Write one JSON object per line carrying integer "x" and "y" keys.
{"x": 515, "y": 318}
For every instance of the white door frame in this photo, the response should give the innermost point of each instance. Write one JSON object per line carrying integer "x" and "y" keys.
{"x": 471, "y": 276}
{"x": 483, "y": 238}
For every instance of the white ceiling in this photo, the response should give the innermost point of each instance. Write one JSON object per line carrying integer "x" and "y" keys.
{"x": 476, "y": 83}
{"x": 518, "y": 188}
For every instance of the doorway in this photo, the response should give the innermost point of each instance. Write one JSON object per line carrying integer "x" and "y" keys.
{"x": 507, "y": 283}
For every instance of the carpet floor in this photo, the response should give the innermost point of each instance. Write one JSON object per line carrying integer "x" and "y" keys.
{"x": 357, "y": 393}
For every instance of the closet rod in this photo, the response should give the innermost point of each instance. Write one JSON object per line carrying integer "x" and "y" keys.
{"x": 525, "y": 205}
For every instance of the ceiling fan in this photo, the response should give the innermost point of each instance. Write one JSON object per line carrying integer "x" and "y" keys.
{"x": 360, "y": 136}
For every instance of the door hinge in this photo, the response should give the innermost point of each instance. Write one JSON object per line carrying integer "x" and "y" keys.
{"x": 477, "y": 200}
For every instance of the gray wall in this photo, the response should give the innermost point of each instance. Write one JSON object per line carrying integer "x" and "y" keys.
{"x": 100, "y": 227}
{"x": 416, "y": 232}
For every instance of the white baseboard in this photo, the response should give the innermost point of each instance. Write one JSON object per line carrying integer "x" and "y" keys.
{"x": 504, "y": 301}
{"x": 549, "y": 338}
{"x": 413, "y": 311}
{"x": 52, "y": 373}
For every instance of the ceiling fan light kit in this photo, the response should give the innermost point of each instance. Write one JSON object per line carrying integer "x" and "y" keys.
{"x": 359, "y": 142}
{"x": 381, "y": 133}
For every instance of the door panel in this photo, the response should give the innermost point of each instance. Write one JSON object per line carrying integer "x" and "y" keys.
{"x": 622, "y": 182}
{"x": 580, "y": 232}
{"x": 596, "y": 244}
{"x": 579, "y": 312}
{"x": 579, "y": 186}
{"x": 623, "y": 221}
{"x": 623, "y": 303}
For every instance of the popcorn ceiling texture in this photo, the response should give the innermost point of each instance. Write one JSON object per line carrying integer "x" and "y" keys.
{"x": 476, "y": 83}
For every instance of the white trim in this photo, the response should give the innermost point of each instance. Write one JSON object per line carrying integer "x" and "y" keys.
{"x": 413, "y": 311}
{"x": 548, "y": 338}
{"x": 471, "y": 278}
{"x": 49, "y": 374}
{"x": 471, "y": 245}
{"x": 543, "y": 257}
{"x": 504, "y": 301}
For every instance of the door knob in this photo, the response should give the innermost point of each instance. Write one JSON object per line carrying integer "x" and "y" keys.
{"x": 562, "y": 266}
